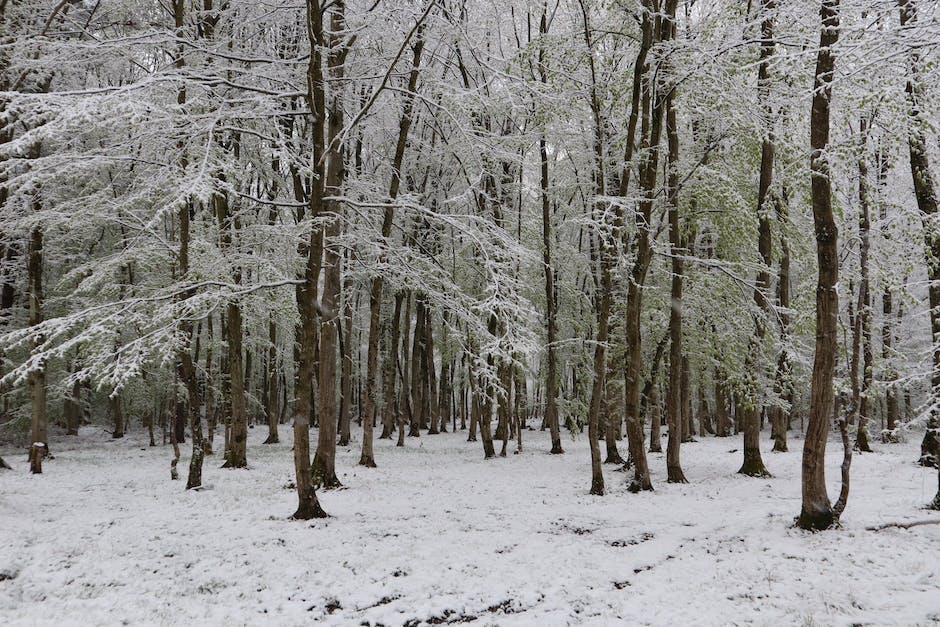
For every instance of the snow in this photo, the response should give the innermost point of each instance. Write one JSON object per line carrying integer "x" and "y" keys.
{"x": 437, "y": 534}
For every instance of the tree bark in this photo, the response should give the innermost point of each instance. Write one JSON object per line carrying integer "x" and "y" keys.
{"x": 39, "y": 446}
{"x": 861, "y": 400}
{"x": 651, "y": 398}
{"x": 551, "y": 375}
{"x": 308, "y": 505}
{"x": 926, "y": 194}
{"x": 324, "y": 463}
{"x": 271, "y": 407}
{"x": 648, "y": 169}
{"x": 816, "y": 512}
{"x": 375, "y": 297}
{"x": 674, "y": 404}
{"x": 753, "y": 464}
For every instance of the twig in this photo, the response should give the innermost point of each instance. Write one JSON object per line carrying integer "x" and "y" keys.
{"x": 918, "y": 523}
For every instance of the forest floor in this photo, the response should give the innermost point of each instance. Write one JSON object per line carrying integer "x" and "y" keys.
{"x": 438, "y": 535}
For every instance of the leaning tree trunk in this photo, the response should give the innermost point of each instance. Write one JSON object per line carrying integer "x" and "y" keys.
{"x": 926, "y": 194}
{"x": 817, "y": 512}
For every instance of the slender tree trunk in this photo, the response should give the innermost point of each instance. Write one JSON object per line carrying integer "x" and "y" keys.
{"x": 431, "y": 382}
{"x": 390, "y": 416}
{"x": 648, "y": 170}
{"x": 551, "y": 311}
{"x": 73, "y": 408}
{"x": 405, "y": 413}
{"x": 39, "y": 446}
{"x": 753, "y": 464}
{"x": 688, "y": 416}
{"x": 704, "y": 412}
{"x": 236, "y": 455}
{"x": 926, "y": 194}
{"x": 651, "y": 398}
{"x": 604, "y": 261}
{"x": 816, "y": 512}
{"x": 117, "y": 414}
{"x": 722, "y": 408}
{"x": 504, "y": 405}
{"x": 613, "y": 416}
{"x": 308, "y": 505}
{"x": 780, "y": 418}
{"x": 346, "y": 363}
{"x": 862, "y": 402}
{"x": 417, "y": 374}
{"x": 674, "y": 405}
{"x": 208, "y": 394}
{"x": 324, "y": 463}
{"x": 271, "y": 408}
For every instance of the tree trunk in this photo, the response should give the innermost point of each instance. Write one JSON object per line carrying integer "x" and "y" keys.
{"x": 39, "y": 446}
{"x": 324, "y": 462}
{"x": 722, "y": 413}
{"x": 431, "y": 382}
{"x": 704, "y": 414}
{"x": 346, "y": 362}
{"x": 417, "y": 374}
{"x": 551, "y": 375}
{"x": 816, "y": 512}
{"x": 208, "y": 395}
{"x": 236, "y": 455}
{"x": 648, "y": 169}
{"x": 375, "y": 298}
{"x": 390, "y": 416}
{"x": 861, "y": 403}
{"x": 73, "y": 409}
{"x": 753, "y": 464}
{"x": 271, "y": 408}
{"x": 678, "y": 429}
{"x": 651, "y": 398}
{"x": 308, "y": 504}
{"x": 926, "y": 194}
{"x": 117, "y": 414}
{"x": 780, "y": 418}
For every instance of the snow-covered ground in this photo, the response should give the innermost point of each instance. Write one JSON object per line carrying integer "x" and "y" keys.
{"x": 438, "y": 535}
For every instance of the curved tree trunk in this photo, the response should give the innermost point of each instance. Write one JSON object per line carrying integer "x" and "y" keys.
{"x": 816, "y": 511}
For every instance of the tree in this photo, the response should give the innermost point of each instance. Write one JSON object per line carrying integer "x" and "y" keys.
{"x": 817, "y": 512}
{"x": 926, "y": 195}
